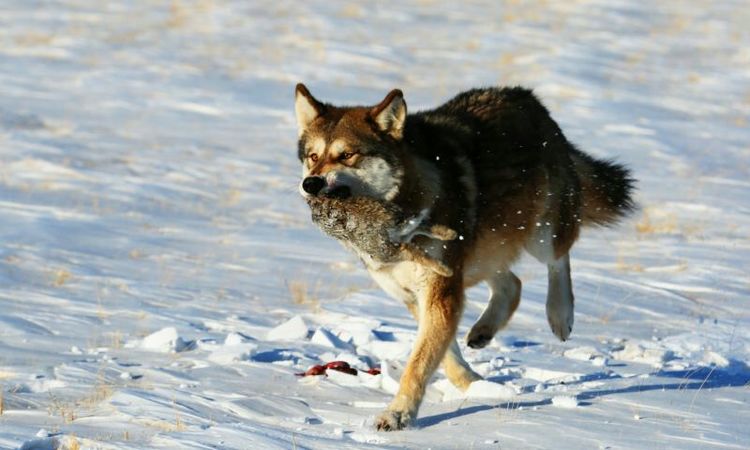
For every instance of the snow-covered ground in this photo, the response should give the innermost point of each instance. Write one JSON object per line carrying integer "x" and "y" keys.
{"x": 148, "y": 185}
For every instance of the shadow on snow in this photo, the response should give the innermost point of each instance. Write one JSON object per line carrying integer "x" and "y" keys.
{"x": 736, "y": 374}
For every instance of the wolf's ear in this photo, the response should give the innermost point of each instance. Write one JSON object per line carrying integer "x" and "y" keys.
{"x": 306, "y": 107}
{"x": 390, "y": 114}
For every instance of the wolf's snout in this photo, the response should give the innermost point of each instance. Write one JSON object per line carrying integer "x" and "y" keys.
{"x": 313, "y": 185}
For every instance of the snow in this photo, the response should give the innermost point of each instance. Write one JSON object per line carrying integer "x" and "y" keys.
{"x": 165, "y": 340}
{"x": 293, "y": 329}
{"x": 483, "y": 389}
{"x": 564, "y": 401}
{"x": 161, "y": 283}
{"x": 326, "y": 338}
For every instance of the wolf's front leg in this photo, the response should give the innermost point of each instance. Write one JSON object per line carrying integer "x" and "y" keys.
{"x": 440, "y": 302}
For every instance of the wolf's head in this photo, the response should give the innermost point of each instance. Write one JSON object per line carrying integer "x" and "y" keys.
{"x": 349, "y": 151}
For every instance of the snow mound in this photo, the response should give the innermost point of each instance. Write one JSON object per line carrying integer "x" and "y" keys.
{"x": 356, "y": 330}
{"x": 54, "y": 441}
{"x": 342, "y": 378}
{"x": 565, "y": 401}
{"x": 326, "y": 338}
{"x": 291, "y": 330}
{"x": 478, "y": 390}
{"x": 644, "y": 354}
{"x": 391, "y": 350}
{"x": 166, "y": 340}
{"x": 235, "y": 348}
{"x": 483, "y": 389}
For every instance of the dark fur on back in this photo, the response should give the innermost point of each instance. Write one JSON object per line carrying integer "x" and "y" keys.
{"x": 513, "y": 146}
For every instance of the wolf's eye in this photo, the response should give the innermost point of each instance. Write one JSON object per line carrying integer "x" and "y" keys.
{"x": 346, "y": 155}
{"x": 313, "y": 157}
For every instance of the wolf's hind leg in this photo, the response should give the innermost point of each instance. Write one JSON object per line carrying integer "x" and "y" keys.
{"x": 457, "y": 369}
{"x": 560, "y": 297}
{"x": 505, "y": 294}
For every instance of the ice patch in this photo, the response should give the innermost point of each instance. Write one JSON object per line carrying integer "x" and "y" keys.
{"x": 291, "y": 330}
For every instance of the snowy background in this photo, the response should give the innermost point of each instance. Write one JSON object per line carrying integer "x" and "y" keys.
{"x": 148, "y": 185}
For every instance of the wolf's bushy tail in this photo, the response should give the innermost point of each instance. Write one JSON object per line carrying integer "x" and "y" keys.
{"x": 606, "y": 189}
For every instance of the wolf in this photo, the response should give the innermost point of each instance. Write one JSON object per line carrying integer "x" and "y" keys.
{"x": 377, "y": 230}
{"x": 491, "y": 164}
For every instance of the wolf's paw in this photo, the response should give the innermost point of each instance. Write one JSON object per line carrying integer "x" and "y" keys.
{"x": 391, "y": 420}
{"x": 561, "y": 322}
{"x": 479, "y": 336}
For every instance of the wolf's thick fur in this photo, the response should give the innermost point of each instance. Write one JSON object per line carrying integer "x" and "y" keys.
{"x": 492, "y": 165}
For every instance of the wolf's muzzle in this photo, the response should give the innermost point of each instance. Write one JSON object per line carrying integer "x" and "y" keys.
{"x": 313, "y": 185}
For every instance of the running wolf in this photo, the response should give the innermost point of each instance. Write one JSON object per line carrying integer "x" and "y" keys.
{"x": 490, "y": 164}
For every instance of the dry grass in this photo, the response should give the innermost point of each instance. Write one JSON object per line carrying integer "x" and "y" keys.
{"x": 623, "y": 266}
{"x": 101, "y": 391}
{"x": 231, "y": 197}
{"x": 654, "y": 221}
{"x": 73, "y": 443}
{"x": 34, "y": 39}
{"x": 60, "y": 277}
{"x": 182, "y": 14}
{"x": 101, "y": 313}
{"x": 310, "y": 294}
{"x": 166, "y": 426}
{"x": 65, "y": 410}
{"x": 302, "y": 294}
{"x": 351, "y": 11}
{"x": 70, "y": 410}
{"x": 163, "y": 425}
{"x": 116, "y": 340}
{"x": 666, "y": 224}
